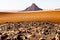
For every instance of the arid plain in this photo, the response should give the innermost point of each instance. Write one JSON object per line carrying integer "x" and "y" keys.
{"x": 35, "y": 25}
{"x": 50, "y": 15}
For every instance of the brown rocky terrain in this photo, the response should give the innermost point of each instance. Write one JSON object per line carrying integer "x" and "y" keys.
{"x": 34, "y": 30}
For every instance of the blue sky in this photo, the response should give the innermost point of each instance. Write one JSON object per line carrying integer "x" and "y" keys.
{"x": 22, "y": 4}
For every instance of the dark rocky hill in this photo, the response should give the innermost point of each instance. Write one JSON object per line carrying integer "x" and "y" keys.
{"x": 57, "y": 9}
{"x": 33, "y": 7}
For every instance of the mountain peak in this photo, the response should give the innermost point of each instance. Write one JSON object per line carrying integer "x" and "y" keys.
{"x": 33, "y": 4}
{"x": 33, "y": 7}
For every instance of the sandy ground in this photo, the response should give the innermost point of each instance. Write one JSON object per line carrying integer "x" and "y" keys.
{"x": 53, "y": 16}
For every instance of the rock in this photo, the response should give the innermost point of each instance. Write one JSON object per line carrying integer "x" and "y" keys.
{"x": 28, "y": 30}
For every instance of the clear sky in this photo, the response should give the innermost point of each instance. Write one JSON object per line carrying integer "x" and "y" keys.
{"x": 22, "y": 4}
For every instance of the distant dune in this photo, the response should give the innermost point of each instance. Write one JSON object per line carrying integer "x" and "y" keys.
{"x": 51, "y": 16}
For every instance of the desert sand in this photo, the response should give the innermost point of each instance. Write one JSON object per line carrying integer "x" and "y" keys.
{"x": 50, "y": 15}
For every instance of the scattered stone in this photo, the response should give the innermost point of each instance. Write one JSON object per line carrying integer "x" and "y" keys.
{"x": 28, "y": 30}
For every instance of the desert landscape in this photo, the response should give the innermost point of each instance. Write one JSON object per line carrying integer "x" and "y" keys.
{"x": 52, "y": 16}
{"x": 33, "y": 23}
{"x": 30, "y": 25}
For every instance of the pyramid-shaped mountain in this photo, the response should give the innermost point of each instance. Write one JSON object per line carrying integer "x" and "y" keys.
{"x": 33, "y": 7}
